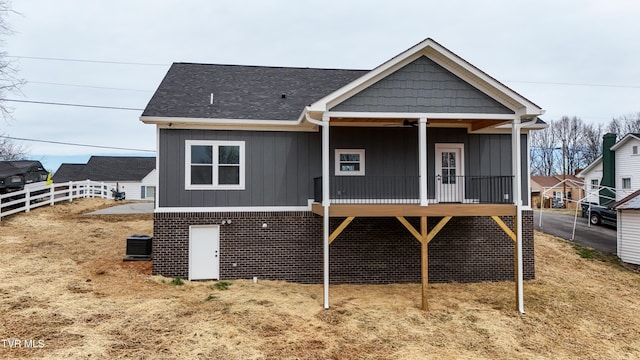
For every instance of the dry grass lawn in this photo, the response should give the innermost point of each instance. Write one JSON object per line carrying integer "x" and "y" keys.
{"x": 63, "y": 282}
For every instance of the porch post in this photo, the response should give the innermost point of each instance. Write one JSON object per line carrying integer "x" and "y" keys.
{"x": 325, "y": 205}
{"x": 517, "y": 201}
{"x": 422, "y": 158}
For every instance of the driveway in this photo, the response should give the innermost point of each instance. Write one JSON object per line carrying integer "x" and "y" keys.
{"x": 138, "y": 207}
{"x": 599, "y": 237}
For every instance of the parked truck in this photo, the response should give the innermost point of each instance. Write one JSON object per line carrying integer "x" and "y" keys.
{"x": 599, "y": 215}
{"x": 16, "y": 175}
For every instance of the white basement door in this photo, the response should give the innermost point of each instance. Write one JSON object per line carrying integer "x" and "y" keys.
{"x": 204, "y": 252}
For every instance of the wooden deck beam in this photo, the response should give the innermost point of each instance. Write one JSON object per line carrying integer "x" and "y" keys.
{"x": 415, "y": 210}
{"x": 340, "y": 228}
{"x": 438, "y": 227}
{"x": 505, "y": 228}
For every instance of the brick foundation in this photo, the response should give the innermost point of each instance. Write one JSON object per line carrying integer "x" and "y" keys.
{"x": 369, "y": 250}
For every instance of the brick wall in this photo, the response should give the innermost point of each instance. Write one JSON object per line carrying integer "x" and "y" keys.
{"x": 369, "y": 250}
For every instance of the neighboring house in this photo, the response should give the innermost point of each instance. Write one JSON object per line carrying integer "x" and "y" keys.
{"x": 551, "y": 190}
{"x": 627, "y": 169}
{"x": 135, "y": 176}
{"x": 615, "y": 174}
{"x": 414, "y": 170}
{"x": 628, "y": 229}
{"x": 591, "y": 176}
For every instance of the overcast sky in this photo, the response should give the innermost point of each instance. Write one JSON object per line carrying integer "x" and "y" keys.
{"x": 577, "y": 57}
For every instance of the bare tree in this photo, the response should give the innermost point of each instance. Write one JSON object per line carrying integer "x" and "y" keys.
{"x": 624, "y": 124}
{"x": 592, "y": 136}
{"x": 9, "y": 81}
{"x": 10, "y": 151}
{"x": 543, "y": 147}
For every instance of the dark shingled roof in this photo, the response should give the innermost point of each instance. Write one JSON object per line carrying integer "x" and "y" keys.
{"x": 68, "y": 172}
{"x": 107, "y": 168}
{"x": 118, "y": 168}
{"x": 243, "y": 92}
{"x": 18, "y": 167}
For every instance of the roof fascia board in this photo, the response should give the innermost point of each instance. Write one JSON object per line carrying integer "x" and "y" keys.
{"x": 228, "y": 124}
{"x": 403, "y": 115}
{"x": 624, "y": 140}
{"x": 589, "y": 168}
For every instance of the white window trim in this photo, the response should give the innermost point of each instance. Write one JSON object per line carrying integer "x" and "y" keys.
{"x": 595, "y": 185}
{"x": 339, "y": 172}
{"x": 215, "y": 144}
{"x": 623, "y": 181}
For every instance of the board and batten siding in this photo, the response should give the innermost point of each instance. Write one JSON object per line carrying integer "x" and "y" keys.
{"x": 279, "y": 169}
{"x": 422, "y": 86}
{"x": 627, "y": 166}
{"x": 280, "y": 166}
{"x": 629, "y": 236}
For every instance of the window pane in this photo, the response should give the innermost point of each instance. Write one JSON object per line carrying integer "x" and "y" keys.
{"x": 229, "y": 155}
{"x": 445, "y": 176}
{"x": 452, "y": 159}
{"x": 350, "y": 167}
{"x": 201, "y": 175}
{"x": 349, "y": 157}
{"x": 151, "y": 192}
{"x": 452, "y": 176}
{"x": 229, "y": 175}
{"x": 201, "y": 154}
{"x": 445, "y": 160}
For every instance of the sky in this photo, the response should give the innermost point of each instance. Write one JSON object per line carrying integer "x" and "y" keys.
{"x": 571, "y": 57}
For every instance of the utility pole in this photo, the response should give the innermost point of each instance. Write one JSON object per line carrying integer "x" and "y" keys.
{"x": 564, "y": 173}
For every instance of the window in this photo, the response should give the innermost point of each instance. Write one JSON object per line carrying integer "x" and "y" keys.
{"x": 626, "y": 183}
{"x": 147, "y": 192}
{"x": 594, "y": 184}
{"x": 214, "y": 165}
{"x": 350, "y": 162}
{"x": 634, "y": 150}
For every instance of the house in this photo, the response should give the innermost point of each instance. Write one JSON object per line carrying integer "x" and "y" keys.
{"x": 628, "y": 230}
{"x": 591, "y": 176}
{"x": 136, "y": 176}
{"x": 414, "y": 171}
{"x": 615, "y": 174}
{"x": 559, "y": 190}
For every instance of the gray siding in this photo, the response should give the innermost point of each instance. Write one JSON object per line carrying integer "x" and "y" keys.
{"x": 422, "y": 86}
{"x": 280, "y": 167}
{"x": 394, "y": 152}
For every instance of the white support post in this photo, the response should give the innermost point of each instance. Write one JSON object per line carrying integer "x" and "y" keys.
{"x": 70, "y": 189}
{"x": 326, "y": 200}
{"x": 517, "y": 200}
{"x": 52, "y": 195}
{"x": 422, "y": 158}
{"x": 27, "y": 200}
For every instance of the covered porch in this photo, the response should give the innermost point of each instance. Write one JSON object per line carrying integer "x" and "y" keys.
{"x": 439, "y": 182}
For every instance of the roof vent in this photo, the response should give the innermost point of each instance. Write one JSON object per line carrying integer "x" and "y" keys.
{"x": 211, "y": 100}
{"x": 283, "y": 96}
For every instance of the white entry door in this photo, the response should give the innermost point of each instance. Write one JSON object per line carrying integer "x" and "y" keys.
{"x": 449, "y": 173}
{"x": 204, "y": 252}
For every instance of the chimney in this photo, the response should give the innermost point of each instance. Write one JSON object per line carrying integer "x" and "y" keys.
{"x": 608, "y": 196}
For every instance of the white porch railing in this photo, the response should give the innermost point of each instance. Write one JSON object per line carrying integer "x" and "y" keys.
{"x": 40, "y": 195}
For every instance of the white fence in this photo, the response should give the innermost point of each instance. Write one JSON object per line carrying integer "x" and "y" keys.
{"x": 39, "y": 195}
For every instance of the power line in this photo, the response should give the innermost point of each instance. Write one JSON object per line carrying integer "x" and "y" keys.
{"x": 86, "y": 86}
{"x": 85, "y": 61}
{"x": 74, "y": 105}
{"x": 75, "y": 144}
